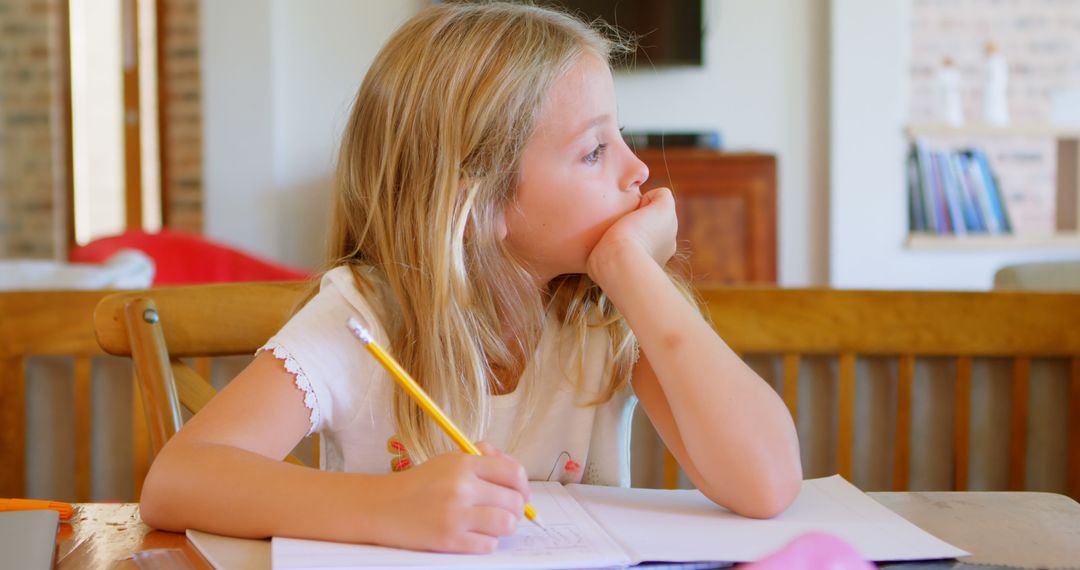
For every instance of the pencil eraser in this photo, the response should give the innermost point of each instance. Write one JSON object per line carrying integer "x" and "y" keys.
{"x": 359, "y": 330}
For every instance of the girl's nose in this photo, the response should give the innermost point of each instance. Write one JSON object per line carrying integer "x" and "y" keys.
{"x": 636, "y": 172}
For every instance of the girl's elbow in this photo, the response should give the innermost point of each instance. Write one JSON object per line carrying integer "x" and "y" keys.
{"x": 774, "y": 499}
{"x": 154, "y": 507}
{"x": 767, "y": 497}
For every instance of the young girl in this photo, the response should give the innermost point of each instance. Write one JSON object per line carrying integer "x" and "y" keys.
{"x": 491, "y": 232}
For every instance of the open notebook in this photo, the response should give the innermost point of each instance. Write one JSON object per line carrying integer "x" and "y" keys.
{"x": 601, "y": 527}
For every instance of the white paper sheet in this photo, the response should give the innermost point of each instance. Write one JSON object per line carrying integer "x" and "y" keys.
{"x": 570, "y": 539}
{"x": 684, "y": 525}
{"x": 651, "y": 525}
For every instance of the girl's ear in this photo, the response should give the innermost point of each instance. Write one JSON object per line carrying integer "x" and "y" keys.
{"x": 500, "y": 226}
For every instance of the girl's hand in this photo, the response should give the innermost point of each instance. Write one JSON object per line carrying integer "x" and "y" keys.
{"x": 651, "y": 228}
{"x": 455, "y": 502}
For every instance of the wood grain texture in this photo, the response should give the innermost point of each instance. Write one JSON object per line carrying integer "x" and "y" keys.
{"x": 156, "y": 383}
{"x": 670, "y": 470}
{"x": 1018, "y": 420}
{"x": 902, "y": 452}
{"x": 159, "y": 327}
{"x": 1028, "y": 530}
{"x": 1074, "y": 428}
{"x": 925, "y": 323}
{"x": 12, "y": 426}
{"x": 83, "y": 423}
{"x": 140, "y": 439}
{"x": 911, "y": 324}
{"x": 845, "y": 439}
{"x": 962, "y": 424}
{"x": 48, "y": 323}
{"x": 205, "y": 320}
{"x": 791, "y": 384}
{"x": 106, "y": 536}
{"x": 726, "y": 204}
{"x": 39, "y": 323}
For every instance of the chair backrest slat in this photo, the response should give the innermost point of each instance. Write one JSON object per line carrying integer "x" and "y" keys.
{"x": 12, "y": 426}
{"x": 792, "y": 360}
{"x": 82, "y": 420}
{"x": 902, "y": 454}
{"x": 140, "y": 441}
{"x": 203, "y": 366}
{"x": 193, "y": 390}
{"x": 157, "y": 386}
{"x": 1018, "y": 418}
{"x": 962, "y": 424}
{"x": 845, "y": 452}
{"x": 1074, "y": 428}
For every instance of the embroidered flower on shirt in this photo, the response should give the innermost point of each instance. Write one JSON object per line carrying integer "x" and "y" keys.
{"x": 571, "y": 466}
{"x": 569, "y": 470}
{"x": 400, "y": 460}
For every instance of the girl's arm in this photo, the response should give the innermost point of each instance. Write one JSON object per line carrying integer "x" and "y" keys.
{"x": 223, "y": 473}
{"x": 728, "y": 429}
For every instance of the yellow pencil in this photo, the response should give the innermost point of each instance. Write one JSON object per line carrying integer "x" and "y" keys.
{"x": 421, "y": 397}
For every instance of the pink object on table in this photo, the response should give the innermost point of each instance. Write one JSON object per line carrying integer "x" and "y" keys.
{"x": 188, "y": 259}
{"x": 812, "y": 551}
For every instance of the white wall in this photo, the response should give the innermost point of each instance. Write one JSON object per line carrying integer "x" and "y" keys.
{"x": 764, "y": 86}
{"x": 238, "y": 186}
{"x": 870, "y": 60}
{"x": 278, "y": 78}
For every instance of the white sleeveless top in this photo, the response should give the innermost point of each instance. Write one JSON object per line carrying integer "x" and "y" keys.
{"x": 349, "y": 395}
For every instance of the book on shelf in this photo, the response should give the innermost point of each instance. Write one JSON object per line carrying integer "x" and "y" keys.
{"x": 953, "y": 193}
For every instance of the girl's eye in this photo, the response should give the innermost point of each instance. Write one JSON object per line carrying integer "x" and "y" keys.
{"x": 594, "y": 156}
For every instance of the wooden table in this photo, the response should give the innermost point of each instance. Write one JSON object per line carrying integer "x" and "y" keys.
{"x": 108, "y": 535}
{"x": 1008, "y": 529}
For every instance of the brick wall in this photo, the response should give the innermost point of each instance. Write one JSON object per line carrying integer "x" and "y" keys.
{"x": 33, "y": 194}
{"x": 1041, "y": 41}
{"x": 182, "y": 120}
{"x": 30, "y": 211}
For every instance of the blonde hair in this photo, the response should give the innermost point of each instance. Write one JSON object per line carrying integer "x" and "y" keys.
{"x": 428, "y": 163}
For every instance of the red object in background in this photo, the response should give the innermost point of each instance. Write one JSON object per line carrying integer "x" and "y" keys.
{"x": 186, "y": 259}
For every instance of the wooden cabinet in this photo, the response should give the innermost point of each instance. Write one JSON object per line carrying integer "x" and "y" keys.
{"x": 726, "y": 205}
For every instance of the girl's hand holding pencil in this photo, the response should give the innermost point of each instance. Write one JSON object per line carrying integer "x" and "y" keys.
{"x": 464, "y": 501}
{"x": 455, "y": 502}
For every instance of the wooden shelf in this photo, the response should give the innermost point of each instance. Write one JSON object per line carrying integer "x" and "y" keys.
{"x": 977, "y": 130}
{"x": 1067, "y": 186}
{"x": 926, "y": 241}
{"x": 726, "y": 203}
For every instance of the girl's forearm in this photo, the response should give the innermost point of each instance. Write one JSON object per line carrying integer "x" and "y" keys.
{"x": 230, "y": 491}
{"x": 735, "y": 428}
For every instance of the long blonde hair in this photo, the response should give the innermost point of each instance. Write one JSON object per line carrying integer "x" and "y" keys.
{"x": 428, "y": 163}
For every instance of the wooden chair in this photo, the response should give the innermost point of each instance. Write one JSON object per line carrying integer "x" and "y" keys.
{"x": 44, "y": 323}
{"x": 159, "y": 327}
{"x": 792, "y": 323}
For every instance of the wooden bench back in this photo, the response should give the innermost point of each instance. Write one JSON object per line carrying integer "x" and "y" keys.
{"x": 909, "y": 324}
{"x": 40, "y": 323}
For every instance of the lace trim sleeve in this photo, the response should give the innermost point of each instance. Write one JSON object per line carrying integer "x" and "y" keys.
{"x": 302, "y": 382}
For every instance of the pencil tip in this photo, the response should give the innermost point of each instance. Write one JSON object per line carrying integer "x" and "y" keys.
{"x": 536, "y": 520}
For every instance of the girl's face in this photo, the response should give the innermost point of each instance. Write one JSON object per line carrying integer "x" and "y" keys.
{"x": 577, "y": 175}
